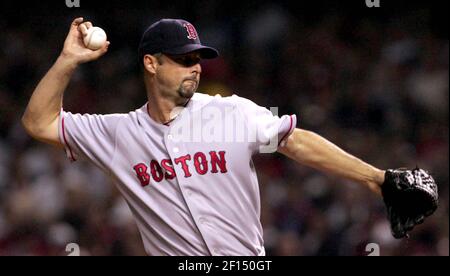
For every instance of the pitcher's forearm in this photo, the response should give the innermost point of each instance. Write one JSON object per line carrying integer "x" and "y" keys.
{"x": 326, "y": 156}
{"x": 46, "y": 101}
{"x": 315, "y": 151}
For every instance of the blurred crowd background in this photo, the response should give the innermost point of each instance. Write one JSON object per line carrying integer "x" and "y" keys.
{"x": 373, "y": 81}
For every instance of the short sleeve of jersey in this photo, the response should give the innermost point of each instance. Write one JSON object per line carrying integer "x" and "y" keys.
{"x": 269, "y": 129}
{"x": 89, "y": 136}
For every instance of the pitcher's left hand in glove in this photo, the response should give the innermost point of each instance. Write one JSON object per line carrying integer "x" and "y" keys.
{"x": 410, "y": 196}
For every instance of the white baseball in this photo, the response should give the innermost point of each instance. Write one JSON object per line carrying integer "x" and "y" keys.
{"x": 95, "y": 38}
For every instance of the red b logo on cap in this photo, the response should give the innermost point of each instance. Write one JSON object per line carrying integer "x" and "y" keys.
{"x": 192, "y": 33}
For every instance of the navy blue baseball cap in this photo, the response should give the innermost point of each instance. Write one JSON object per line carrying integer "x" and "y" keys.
{"x": 173, "y": 37}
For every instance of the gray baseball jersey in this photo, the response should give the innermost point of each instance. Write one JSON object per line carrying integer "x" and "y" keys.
{"x": 191, "y": 184}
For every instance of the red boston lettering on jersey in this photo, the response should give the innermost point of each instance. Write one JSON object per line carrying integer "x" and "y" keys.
{"x": 156, "y": 171}
{"x": 183, "y": 160}
{"x": 201, "y": 163}
{"x": 192, "y": 33}
{"x": 216, "y": 161}
{"x": 142, "y": 175}
{"x": 167, "y": 166}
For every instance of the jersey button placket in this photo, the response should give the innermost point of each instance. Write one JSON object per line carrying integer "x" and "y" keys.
{"x": 173, "y": 150}
{"x": 170, "y": 139}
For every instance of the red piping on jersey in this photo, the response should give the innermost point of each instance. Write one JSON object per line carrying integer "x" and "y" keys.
{"x": 65, "y": 141}
{"x": 290, "y": 127}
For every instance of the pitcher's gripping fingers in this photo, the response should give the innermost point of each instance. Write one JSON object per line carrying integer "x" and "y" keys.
{"x": 74, "y": 49}
{"x": 84, "y": 27}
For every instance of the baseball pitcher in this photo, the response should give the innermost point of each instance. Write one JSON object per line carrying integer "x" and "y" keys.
{"x": 183, "y": 161}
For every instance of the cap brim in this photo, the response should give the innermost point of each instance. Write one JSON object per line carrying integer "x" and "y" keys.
{"x": 205, "y": 51}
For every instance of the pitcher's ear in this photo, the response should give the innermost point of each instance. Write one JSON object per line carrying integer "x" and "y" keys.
{"x": 150, "y": 63}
